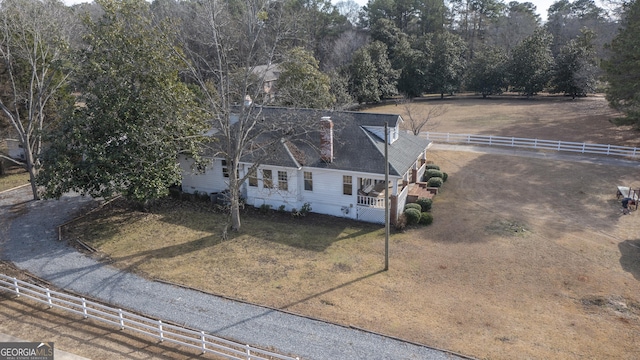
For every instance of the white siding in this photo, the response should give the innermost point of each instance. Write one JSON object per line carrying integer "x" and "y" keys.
{"x": 211, "y": 181}
{"x": 15, "y": 150}
{"x": 258, "y": 195}
{"x": 325, "y": 198}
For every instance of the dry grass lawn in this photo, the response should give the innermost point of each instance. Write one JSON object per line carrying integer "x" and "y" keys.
{"x": 14, "y": 177}
{"x": 526, "y": 258}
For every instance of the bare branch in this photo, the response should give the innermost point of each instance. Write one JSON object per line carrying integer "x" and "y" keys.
{"x": 418, "y": 115}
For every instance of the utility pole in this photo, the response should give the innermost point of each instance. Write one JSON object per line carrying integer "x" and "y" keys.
{"x": 386, "y": 196}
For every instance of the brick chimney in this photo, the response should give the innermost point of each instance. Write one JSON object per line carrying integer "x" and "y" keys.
{"x": 326, "y": 139}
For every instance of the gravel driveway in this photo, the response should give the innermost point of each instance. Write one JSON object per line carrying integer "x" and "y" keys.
{"x": 28, "y": 238}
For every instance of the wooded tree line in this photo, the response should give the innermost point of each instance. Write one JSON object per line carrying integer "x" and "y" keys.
{"x": 117, "y": 88}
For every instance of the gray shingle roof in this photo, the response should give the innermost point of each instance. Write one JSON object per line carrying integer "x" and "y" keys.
{"x": 355, "y": 148}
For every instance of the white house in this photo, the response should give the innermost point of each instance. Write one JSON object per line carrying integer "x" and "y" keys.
{"x": 15, "y": 149}
{"x": 342, "y": 174}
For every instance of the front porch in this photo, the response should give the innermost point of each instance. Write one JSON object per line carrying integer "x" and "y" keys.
{"x": 370, "y": 196}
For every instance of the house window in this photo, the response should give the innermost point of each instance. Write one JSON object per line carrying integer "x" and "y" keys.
{"x": 225, "y": 169}
{"x": 347, "y": 185}
{"x": 267, "y": 179}
{"x": 308, "y": 181}
{"x": 253, "y": 178}
{"x": 282, "y": 181}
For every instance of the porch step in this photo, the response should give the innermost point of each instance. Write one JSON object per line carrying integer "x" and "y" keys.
{"x": 420, "y": 190}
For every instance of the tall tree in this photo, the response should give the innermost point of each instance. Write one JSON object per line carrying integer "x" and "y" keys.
{"x": 224, "y": 45}
{"x": 363, "y": 82}
{"x": 301, "y": 84}
{"x": 519, "y": 21}
{"x": 568, "y": 18}
{"x": 487, "y": 73}
{"x": 371, "y": 75}
{"x": 432, "y": 16}
{"x": 34, "y": 41}
{"x": 623, "y": 68}
{"x": 448, "y": 65}
{"x": 138, "y": 116}
{"x": 576, "y": 70}
{"x": 387, "y": 76}
{"x": 530, "y": 64}
{"x": 403, "y": 13}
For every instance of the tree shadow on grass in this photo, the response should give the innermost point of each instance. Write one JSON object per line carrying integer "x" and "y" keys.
{"x": 314, "y": 232}
{"x": 269, "y": 312}
{"x": 630, "y": 259}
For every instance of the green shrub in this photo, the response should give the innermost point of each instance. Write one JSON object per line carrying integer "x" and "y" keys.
{"x": 432, "y": 173}
{"x": 432, "y": 166}
{"x": 425, "y": 204}
{"x": 426, "y": 218}
{"x": 444, "y": 176}
{"x": 264, "y": 208}
{"x": 281, "y": 208}
{"x": 434, "y": 182}
{"x": 412, "y": 215}
{"x": 306, "y": 208}
{"x": 413, "y": 206}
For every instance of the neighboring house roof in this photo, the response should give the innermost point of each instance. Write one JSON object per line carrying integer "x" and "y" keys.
{"x": 355, "y": 148}
{"x": 269, "y": 72}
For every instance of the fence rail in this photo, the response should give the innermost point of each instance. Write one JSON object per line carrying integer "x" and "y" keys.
{"x": 158, "y": 329}
{"x": 583, "y": 148}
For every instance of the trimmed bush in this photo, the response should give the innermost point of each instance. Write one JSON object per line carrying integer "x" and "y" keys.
{"x": 444, "y": 176}
{"x": 412, "y": 215}
{"x": 434, "y": 182}
{"x": 413, "y": 206}
{"x": 432, "y": 166}
{"x": 426, "y": 218}
{"x": 425, "y": 204}
{"x": 432, "y": 173}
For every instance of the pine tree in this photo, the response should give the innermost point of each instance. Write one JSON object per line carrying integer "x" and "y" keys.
{"x": 623, "y": 68}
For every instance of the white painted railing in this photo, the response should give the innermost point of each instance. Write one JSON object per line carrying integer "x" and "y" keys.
{"x": 370, "y": 201}
{"x": 158, "y": 329}
{"x": 583, "y": 148}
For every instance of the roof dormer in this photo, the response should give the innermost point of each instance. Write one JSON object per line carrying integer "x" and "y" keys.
{"x": 379, "y": 132}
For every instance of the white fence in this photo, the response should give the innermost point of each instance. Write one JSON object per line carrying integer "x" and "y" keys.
{"x": 583, "y": 148}
{"x": 125, "y": 320}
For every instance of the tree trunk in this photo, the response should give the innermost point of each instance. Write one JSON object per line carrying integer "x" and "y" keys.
{"x": 32, "y": 171}
{"x": 235, "y": 214}
{"x": 234, "y": 194}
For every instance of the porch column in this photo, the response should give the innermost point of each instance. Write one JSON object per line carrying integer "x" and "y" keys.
{"x": 394, "y": 192}
{"x": 393, "y": 209}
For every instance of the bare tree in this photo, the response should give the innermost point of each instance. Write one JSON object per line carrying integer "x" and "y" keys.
{"x": 418, "y": 115}
{"x": 33, "y": 42}
{"x": 224, "y": 46}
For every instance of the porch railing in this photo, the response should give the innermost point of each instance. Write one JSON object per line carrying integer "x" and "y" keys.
{"x": 370, "y": 201}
